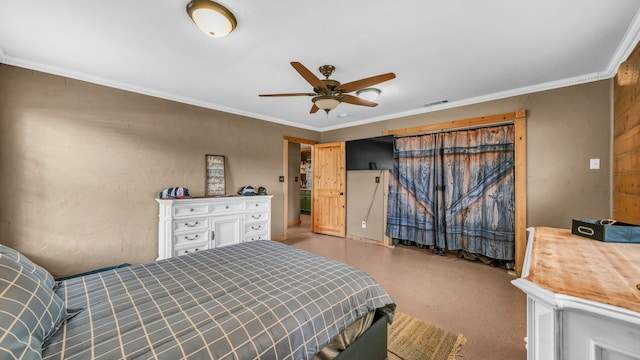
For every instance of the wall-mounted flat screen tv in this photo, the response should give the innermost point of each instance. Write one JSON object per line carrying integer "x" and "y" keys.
{"x": 370, "y": 154}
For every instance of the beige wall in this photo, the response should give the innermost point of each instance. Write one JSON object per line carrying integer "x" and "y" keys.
{"x": 565, "y": 128}
{"x": 81, "y": 165}
{"x": 365, "y": 203}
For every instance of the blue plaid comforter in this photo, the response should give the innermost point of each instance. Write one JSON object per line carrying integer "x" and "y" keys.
{"x": 255, "y": 300}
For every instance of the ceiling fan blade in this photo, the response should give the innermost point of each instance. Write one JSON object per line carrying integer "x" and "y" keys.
{"x": 363, "y": 83}
{"x": 309, "y": 76}
{"x": 350, "y": 99}
{"x": 314, "y": 109}
{"x": 290, "y": 94}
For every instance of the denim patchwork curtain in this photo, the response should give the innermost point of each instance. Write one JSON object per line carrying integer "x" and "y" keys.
{"x": 455, "y": 191}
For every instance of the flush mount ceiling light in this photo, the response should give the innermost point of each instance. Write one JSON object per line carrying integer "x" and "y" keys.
{"x": 212, "y": 18}
{"x": 368, "y": 94}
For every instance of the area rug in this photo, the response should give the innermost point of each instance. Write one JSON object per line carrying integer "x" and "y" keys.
{"x": 412, "y": 339}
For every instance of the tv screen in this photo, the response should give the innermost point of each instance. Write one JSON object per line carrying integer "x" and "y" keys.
{"x": 370, "y": 154}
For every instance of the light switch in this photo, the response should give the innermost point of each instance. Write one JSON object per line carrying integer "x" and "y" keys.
{"x": 594, "y": 164}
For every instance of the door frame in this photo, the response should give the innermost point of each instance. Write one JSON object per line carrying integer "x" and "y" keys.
{"x": 285, "y": 184}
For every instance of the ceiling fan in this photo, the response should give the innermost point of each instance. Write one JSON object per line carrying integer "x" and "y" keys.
{"x": 328, "y": 93}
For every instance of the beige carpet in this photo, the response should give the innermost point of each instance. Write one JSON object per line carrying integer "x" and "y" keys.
{"x": 412, "y": 339}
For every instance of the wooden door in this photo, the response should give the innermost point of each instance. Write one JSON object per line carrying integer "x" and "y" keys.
{"x": 328, "y": 189}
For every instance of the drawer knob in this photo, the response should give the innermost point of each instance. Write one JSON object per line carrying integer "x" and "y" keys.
{"x": 257, "y": 205}
{"x": 191, "y": 238}
{"x": 256, "y": 228}
{"x": 256, "y": 217}
{"x": 192, "y": 209}
{"x": 191, "y": 225}
{"x": 226, "y": 207}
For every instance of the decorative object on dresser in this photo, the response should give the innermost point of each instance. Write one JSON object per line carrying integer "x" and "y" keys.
{"x": 582, "y": 300}
{"x": 215, "y": 176}
{"x": 178, "y": 192}
{"x": 190, "y": 225}
{"x": 607, "y": 230}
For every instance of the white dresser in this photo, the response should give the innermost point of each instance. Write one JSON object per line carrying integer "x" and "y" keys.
{"x": 583, "y": 297}
{"x": 190, "y": 225}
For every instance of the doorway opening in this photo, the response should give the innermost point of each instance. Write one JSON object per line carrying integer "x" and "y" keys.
{"x": 306, "y": 179}
{"x": 297, "y": 184}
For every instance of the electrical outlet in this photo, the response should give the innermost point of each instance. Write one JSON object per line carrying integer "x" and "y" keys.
{"x": 364, "y": 224}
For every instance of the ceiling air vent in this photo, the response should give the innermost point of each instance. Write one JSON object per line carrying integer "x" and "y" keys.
{"x": 436, "y": 103}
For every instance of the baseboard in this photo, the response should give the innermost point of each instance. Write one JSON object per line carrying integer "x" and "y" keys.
{"x": 358, "y": 238}
{"x": 292, "y": 223}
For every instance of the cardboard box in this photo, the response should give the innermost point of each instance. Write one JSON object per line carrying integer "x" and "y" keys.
{"x": 618, "y": 232}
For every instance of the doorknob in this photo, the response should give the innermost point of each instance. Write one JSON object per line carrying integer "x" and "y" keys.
{"x": 341, "y": 193}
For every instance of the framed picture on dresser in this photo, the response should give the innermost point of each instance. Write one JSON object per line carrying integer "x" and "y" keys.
{"x": 214, "y": 175}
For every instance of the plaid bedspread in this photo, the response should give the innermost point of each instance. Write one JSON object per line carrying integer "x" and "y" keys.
{"x": 255, "y": 300}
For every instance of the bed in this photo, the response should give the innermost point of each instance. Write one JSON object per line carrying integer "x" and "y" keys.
{"x": 254, "y": 300}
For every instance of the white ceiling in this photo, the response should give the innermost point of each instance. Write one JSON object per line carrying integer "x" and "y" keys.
{"x": 463, "y": 51}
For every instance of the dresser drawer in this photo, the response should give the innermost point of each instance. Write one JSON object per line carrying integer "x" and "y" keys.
{"x": 190, "y": 224}
{"x": 254, "y": 237}
{"x": 258, "y": 204}
{"x": 255, "y": 227}
{"x": 221, "y": 208}
{"x": 190, "y": 210}
{"x": 256, "y": 216}
{"x": 190, "y": 249}
{"x": 192, "y": 237}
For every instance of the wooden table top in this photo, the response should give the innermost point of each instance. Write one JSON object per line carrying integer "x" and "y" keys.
{"x": 573, "y": 265}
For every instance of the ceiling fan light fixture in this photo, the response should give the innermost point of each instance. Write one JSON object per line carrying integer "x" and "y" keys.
{"x": 212, "y": 18}
{"x": 369, "y": 94}
{"x": 326, "y": 102}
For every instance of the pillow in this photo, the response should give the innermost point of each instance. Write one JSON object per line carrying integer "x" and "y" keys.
{"x": 30, "y": 312}
{"x": 38, "y": 271}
